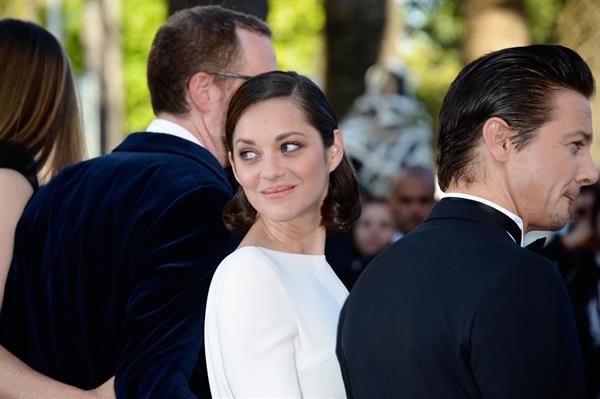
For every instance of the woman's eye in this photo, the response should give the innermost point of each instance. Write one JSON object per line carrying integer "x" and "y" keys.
{"x": 247, "y": 155}
{"x": 289, "y": 146}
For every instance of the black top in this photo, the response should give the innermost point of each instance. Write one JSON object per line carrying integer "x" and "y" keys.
{"x": 15, "y": 156}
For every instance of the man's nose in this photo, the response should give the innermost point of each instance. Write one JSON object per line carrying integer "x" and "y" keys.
{"x": 588, "y": 174}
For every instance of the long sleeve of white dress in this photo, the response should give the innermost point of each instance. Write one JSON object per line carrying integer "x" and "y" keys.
{"x": 256, "y": 343}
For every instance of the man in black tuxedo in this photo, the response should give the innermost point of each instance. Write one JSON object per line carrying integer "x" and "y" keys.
{"x": 114, "y": 257}
{"x": 457, "y": 308}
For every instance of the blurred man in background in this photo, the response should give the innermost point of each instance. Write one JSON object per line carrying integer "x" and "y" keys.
{"x": 411, "y": 199}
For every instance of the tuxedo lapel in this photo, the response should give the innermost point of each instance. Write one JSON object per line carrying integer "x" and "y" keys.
{"x": 460, "y": 208}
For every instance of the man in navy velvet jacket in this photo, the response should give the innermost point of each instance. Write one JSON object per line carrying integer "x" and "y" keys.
{"x": 457, "y": 308}
{"x": 114, "y": 257}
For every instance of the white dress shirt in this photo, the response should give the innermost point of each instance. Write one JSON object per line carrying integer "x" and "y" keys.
{"x": 167, "y": 127}
{"x": 489, "y": 203}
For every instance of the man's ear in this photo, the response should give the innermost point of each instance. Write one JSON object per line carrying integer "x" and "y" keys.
{"x": 497, "y": 136}
{"x": 199, "y": 91}
{"x": 335, "y": 152}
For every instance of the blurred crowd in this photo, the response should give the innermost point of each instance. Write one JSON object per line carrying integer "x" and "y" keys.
{"x": 576, "y": 252}
{"x": 383, "y": 220}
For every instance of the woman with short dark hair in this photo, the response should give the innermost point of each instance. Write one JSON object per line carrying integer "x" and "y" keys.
{"x": 274, "y": 303}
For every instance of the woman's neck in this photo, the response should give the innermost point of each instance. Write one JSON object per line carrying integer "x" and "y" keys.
{"x": 294, "y": 237}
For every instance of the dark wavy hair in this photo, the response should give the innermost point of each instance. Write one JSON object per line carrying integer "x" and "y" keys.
{"x": 341, "y": 206}
{"x": 516, "y": 84}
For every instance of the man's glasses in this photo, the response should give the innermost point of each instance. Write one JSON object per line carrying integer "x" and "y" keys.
{"x": 228, "y": 74}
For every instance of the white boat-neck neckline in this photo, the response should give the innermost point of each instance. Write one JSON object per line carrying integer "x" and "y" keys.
{"x": 277, "y": 252}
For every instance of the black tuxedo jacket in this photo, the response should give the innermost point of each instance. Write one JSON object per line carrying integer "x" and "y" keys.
{"x": 457, "y": 309}
{"x": 112, "y": 264}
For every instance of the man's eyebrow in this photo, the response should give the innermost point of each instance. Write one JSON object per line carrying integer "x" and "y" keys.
{"x": 587, "y": 136}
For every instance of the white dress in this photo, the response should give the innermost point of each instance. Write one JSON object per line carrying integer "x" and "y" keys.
{"x": 270, "y": 328}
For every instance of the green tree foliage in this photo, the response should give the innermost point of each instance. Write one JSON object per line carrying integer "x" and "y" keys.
{"x": 434, "y": 34}
{"x": 72, "y": 25}
{"x": 543, "y": 16}
{"x": 435, "y": 31}
{"x": 28, "y": 10}
{"x": 298, "y": 35}
{"x": 141, "y": 20}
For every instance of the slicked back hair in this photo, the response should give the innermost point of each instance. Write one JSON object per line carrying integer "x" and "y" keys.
{"x": 515, "y": 84}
